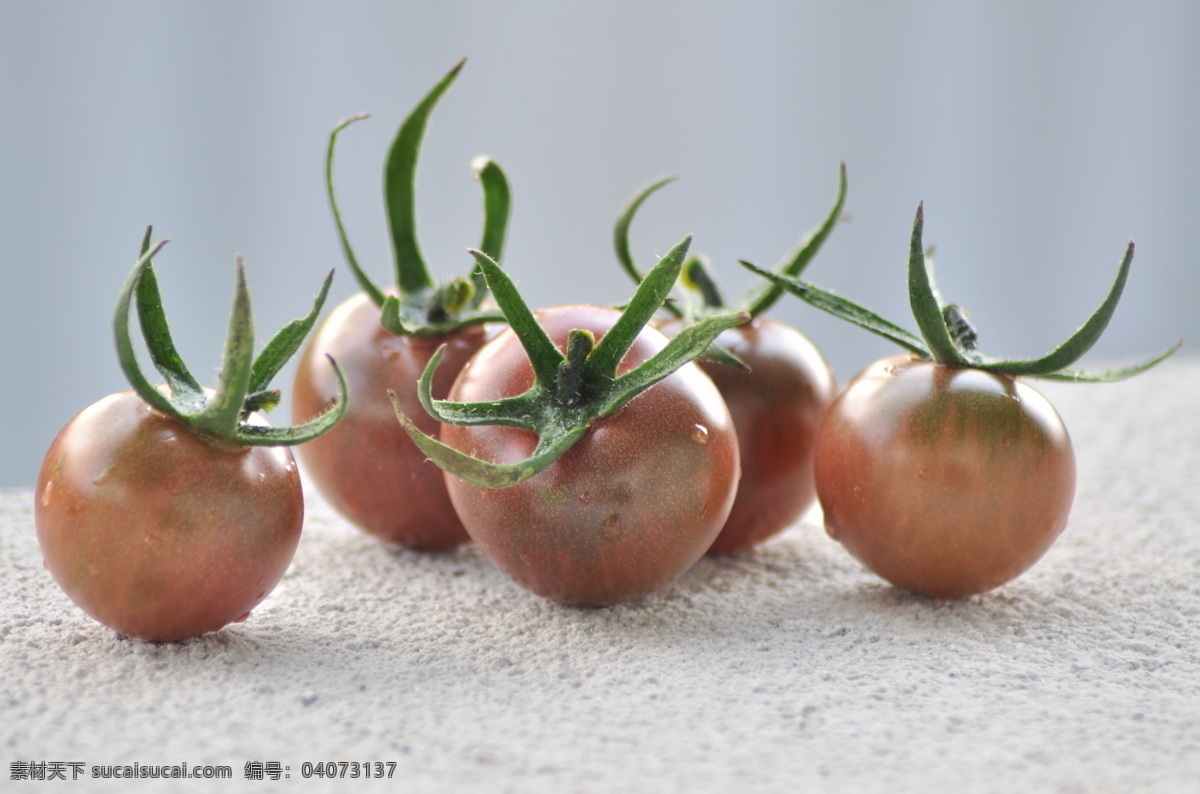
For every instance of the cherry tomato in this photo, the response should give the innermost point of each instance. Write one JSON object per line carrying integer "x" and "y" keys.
{"x": 157, "y": 532}
{"x": 367, "y": 467}
{"x": 627, "y": 509}
{"x": 777, "y": 409}
{"x": 945, "y": 481}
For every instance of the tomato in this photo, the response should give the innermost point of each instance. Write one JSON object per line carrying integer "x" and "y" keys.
{"x": 777, "y": 409}
{"x": 367, "y": 467}
{"x": 370, "y": 471}
{"x": 627, "y": 509}
{"x": 945, "y": 481}
{"x": 158, "y": 533}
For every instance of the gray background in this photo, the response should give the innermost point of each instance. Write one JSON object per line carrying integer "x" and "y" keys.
{"x": 1040, "y": 135}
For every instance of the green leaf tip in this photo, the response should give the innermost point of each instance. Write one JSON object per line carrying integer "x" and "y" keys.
{"x": 222, "y": 414}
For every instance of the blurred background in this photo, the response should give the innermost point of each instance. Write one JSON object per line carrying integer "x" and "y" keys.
{"x": 1041, "y": 136}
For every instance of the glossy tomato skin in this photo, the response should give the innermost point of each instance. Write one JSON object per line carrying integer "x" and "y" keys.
{"x": 635, "y": 503}
{"x": 367, "y": 467}
{"x": 944, "y": 481}
{"x": 777, "y": 409}
{"x": 157, "y": 533}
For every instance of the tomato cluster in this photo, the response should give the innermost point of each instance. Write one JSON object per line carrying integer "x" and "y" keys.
{"x": 593, "y": 454}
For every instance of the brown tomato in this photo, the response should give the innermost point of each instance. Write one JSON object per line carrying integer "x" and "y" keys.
{"x": 157, "y": 533}
{"x": 367, "y": 467}
{"x": 631, "y": 506}
{"x": 777, "y": 409}
{"x": 944, "y": 481}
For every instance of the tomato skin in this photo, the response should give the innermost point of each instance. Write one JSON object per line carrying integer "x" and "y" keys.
{"x": 945, "y": 482}
{"x": 367, "y": 467}
{"x": 157, "y": 533}
{"x": 631, "y": 506}
{"x": 777, "y": 409}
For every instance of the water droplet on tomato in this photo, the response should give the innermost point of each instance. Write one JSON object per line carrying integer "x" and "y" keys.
{"x": 858, "y": 495}
{"x": 241, "y": 617}
{"x": 831, "y": 530}
{"x": 924, "y": 473}
{"x": 262, "y": 476}
{"x": 700, "y": 434}
{"x": 104, "y": 477}
{"x": 46, "y": 494}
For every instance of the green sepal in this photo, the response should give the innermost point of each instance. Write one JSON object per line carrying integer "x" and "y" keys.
{"x": 845, "y": 309}
{"x": 1108, "y": 375}
{"x": 484, "y": 473}
{"x": 126, "y": 357}
{"x": 560, "y": 411}
{"x": 649, "y": 297}
{"x": 400, "y": 188}
{"x": 260, "y": 436}
{"x": 364, "y": 281}
{"x": 185, "y": 389}
{"x": 685, "y": 346}
{"x": 759, "y": 301}
{"x": 421, "y": 309}
{"x": 285, "y": 343}
{"x": 543, "y": 355}
{"x": 410, "y": 317}
{"x": 956, "y": 346}
{"x": 926, "y": 302}
{"x": 701, "y": 294}
{"x": 1082, "y": 340}
{"x": 222, "y": 414}
{"x": 723, "y": 356}
{"x": 497, "y": 199}
{"x": 513, "y": 411}
{"x": 697, "y": 277}
{"x": 621, "y": 231}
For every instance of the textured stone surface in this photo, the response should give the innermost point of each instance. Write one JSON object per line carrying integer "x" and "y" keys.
{"x": 786, "y": 669}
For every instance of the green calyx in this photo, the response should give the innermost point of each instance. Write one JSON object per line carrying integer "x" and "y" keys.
{"x": 221, "y": 414}
{"x": 420, "y": 307}
{"x": 947, "y": 337}
{"x": 570, "y": 390}
{"x": 701, "y": 294}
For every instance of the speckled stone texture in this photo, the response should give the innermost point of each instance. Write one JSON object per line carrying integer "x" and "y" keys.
{"x": 787, "y": 669}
